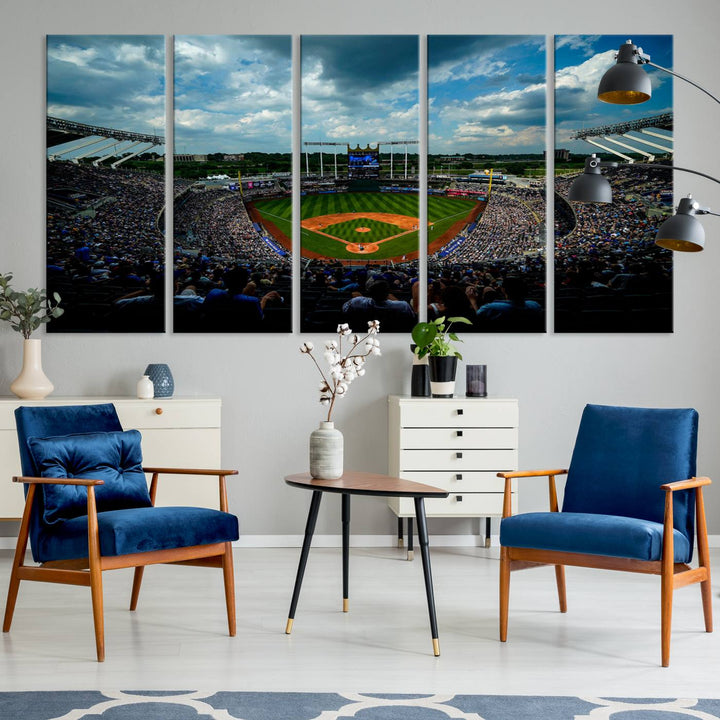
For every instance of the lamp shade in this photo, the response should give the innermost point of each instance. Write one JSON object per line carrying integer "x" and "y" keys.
{"x": 625, "y": 83}
{"x": 590, "y": 188}
{"x": 683, "y": 232}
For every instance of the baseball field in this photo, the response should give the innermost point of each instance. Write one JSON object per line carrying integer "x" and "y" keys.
{"x": 365, "y": 226}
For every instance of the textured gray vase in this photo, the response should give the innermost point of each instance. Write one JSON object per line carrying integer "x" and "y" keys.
{"x": 326, "y": 452}
{"x": 162, "y": 379}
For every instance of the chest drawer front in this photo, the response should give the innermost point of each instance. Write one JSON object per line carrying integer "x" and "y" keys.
{"x": 467, "y": 438}
{"x": 459, "y": 413}
{"x": 143, "y": 415}
{"x": 471, "y": 505}
{"x": 459, "y": 482}
{"x": 458, "y": 460}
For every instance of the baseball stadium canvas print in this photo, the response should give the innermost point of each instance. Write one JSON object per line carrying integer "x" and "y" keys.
{"x": 106, "y": 182}
{"x": 486, "y": 181}
{"x": 360, "y": 212}
{"x": 233, "y": 184}
{"x": 610, "y": 194}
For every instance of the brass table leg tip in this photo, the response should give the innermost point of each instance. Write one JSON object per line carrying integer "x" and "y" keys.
{"x": 346, "y": 605}
{"x": 401, "y": 542}
{"x": 288, "y": 627}
{"x": 410, "y": 554}
{"x": 436, "y": 647}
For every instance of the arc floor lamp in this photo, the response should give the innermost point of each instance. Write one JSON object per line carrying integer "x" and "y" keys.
{"x": 626, "y": 83}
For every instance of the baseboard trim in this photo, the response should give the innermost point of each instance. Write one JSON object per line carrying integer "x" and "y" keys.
{"x": 335, "y": 541}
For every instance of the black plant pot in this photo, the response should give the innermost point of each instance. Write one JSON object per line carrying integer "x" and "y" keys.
{"x": 442, "y": 375}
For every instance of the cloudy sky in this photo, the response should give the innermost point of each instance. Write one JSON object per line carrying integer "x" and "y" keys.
{"x": 115, "y": 81}
{"x": 580, "y": 62}
{"x": 233, "y": 93}
{"x": 359, "y": 89}
{"x": 486, "y": 94}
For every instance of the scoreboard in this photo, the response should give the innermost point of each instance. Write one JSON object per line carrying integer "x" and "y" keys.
{"x": 363, "y": 162}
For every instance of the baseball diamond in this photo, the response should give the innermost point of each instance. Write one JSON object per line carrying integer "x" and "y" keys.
{"x": 377, "y": 226}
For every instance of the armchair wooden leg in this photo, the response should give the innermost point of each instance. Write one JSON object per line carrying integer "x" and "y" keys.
{"x": 18, "y": 560}
{"x": 704, "y": 559}
{"x": 137, "y": 581}
{"x": 504, "y": 591}
{"x": 229, "y": 578}
{"x": 96, "y": 587}
{"x": 666, "y": 599}
{"x": 560, "y": 580}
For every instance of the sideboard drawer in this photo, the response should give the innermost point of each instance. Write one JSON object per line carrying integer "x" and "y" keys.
{"x": 459, "y": 437}
{"x": 459, "y": 482}
{"x": 168, "y": 413}
{"x": 457, "y": 460}
{"x": 459, "y": 413}
{"x": 455, "y": 505}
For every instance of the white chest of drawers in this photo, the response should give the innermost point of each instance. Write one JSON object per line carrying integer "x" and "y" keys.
{"x": 458, "y": 444}
{"x": 176, "y": 432}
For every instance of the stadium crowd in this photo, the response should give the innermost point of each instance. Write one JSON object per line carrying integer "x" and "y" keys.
{"x": 104, "y": 245}
{"x": 608, "y": 270}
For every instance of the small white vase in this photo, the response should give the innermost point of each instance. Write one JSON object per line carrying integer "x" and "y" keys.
{"x": 145, "y": 388}
{"x": 326, "y": 452}
{"x": 32, "y": 383}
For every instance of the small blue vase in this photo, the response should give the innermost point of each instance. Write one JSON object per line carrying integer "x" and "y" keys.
{"x": 162, "y": 379}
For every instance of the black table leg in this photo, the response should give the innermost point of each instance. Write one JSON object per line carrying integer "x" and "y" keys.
{"x": 487, "y": 532}
{"x": 346, "y": 548}
{"x": 410, "y": 551}
{"x": 400, "y": 532}
{"x": 425, "y": 553}
{"x": 309, "y": 530}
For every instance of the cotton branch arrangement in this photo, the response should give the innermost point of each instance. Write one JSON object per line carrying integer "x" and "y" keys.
{"x": 344, "y": 363}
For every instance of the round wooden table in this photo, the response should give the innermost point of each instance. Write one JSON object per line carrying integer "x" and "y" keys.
{"x": 362, "y": 483}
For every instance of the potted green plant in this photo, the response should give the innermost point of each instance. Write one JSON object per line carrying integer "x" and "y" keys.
{"x": 26, "y": 312}
{"x": 435, "y": 340}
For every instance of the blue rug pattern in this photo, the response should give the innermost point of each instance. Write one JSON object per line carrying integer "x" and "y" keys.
{"x": 195, "y": 705}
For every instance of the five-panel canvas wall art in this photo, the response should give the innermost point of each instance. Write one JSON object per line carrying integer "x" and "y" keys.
{"x": 473, "y": 205}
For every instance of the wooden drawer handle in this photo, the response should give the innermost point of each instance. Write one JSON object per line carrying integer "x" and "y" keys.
{"x": 458, "y": 476}
{"x": 458, "y": 498}
{"x": 458, "y": 456}
{"x": 158, "y": 411}
{"x": 460, "y": 411}
{"x": 458, "y": 433}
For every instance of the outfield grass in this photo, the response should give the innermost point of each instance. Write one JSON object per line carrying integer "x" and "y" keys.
{"x": 442, "y": 212}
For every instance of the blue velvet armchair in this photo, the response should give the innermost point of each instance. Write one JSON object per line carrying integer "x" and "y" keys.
{"x": 631, "y": 503}
{"x": 88, "y": 509}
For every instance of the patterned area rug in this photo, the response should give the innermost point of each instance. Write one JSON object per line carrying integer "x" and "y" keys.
{"x": 189, "y": 705}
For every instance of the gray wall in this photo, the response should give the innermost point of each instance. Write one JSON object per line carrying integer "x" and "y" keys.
{"x": 268, "y": 388}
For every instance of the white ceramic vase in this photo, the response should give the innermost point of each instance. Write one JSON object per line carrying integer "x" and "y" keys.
{"x": 145, "y": 388}
{"x": 326, "y": 452}
{"x": 32, "y": 383}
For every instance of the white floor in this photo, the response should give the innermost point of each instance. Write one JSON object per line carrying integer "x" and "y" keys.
{"x": 607, "y": 644}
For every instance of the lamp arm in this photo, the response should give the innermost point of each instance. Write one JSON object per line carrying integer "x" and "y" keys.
{"x": 674, "y": 167}
{"x": 682, "y": 77}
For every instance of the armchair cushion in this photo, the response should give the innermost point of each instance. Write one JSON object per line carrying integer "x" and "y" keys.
{"x": 114, "y": 457}
{"x": 592, "y": 534}
{"x": 138, "y": 530}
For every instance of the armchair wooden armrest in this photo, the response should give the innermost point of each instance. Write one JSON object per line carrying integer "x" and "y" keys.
{"x": 220, "y": 474}
{"x": 550, "y": 474}
{"x": 57, "y": 481}
{"x": 531, "y": 473}
{"x": 695, "y": 482}
{"x": 188, "y": 471}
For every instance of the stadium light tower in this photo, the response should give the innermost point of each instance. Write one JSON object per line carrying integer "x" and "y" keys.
{"x": 398, "y": 142}
{"x": 626, "y": 83}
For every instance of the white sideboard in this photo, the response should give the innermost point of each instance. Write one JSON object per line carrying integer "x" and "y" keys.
{"x": 181, "y": 432}
{"x": 458, "y": 444}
